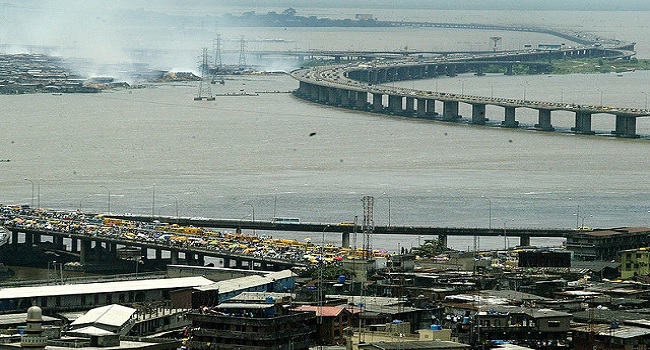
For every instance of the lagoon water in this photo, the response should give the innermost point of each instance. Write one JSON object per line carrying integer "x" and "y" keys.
{"x": 156, "y": 149}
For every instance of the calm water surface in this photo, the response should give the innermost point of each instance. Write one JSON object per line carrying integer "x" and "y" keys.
{"x": 156, "y": 148}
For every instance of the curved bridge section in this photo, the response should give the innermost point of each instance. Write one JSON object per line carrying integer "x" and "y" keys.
{"x": 358, "y": 86}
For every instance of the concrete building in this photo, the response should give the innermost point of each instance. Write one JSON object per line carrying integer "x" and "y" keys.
{"x": 35, "y": 338}
{"x": 606, "y": 244}
{"x": 610, "y": 337}
{"x": 331, "y": 322}
{"x": 528, "y": 326}
{"x": 251, "y": 326}
{"x": 635, "y": 262}
{"x": 88, "y": 295}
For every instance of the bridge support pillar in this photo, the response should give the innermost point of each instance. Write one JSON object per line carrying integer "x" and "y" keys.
{"x": 111, "y": 252}
{"x": 29, "y": 238}
{"x": 73, "y": 245}
{"x": 431, "y": 107}
{"x": 382, "y": 76}
{"x": 450, "y": 111}
{"x": 372, "y": 76}
{"x": 524, "y": 241}
{"x": 625, "y": 127}
{"x": 395, "y": 104}
{"x": 410, "y": 105}
{"x": 509, "y": 120}
{"x": 37, "y": 238}
{"x": 314, "y": 92}
{"x": 509, "y": 70}
{"x": 345, "y": 98}
{"x": 84, "y": 252}
{"x": 478, "y": 114}
{"x": 361, "y": 100}
{"x": 583, "y": 123}
{"x": 174, "y": 256}
{"x": 144, "y": 253}
{"x": 200, "y": 260}
{"x": 544, "y": 120}
{"x": 332, "y": 96}
{"x": 58, "y": 242}
{"x": 377, "y": 102}
{"x": 322, "y": 94}
{"x": 158, "y": 254}
{"x": 345, "y": 239}
{"x": 14, "y": 237}
{"x": 422, "y": 107}
{"x": 443, "y": 240}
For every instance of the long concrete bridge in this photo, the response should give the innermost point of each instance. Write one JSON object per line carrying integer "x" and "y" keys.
{"x": 345, "y": 229}
{"x": 359, "y": 86}
{"x": 97, "y": 248}
{"x": 103, "y": 249}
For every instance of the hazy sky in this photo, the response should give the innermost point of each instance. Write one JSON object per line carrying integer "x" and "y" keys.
{"x": 107, "y": 30}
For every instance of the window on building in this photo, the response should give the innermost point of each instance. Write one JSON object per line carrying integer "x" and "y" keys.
{"x": 554, "y": 324}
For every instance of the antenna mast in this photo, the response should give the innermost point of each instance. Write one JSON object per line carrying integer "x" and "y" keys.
{"x": 204, "y": 92}
{"x": 368, "y": 225}
{"x": 242, "y": 53}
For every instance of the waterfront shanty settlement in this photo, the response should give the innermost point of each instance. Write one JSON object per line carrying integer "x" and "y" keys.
{"x": 590, "y": 294}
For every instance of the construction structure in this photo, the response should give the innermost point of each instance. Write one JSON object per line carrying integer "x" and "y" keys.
{"x": 204, "y": 92}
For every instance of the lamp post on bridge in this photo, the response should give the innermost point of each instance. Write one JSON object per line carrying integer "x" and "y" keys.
{"x": 253, "y": 213}
{"x": 176, "y": 202}
{"x": 505, "y": 234}
{"x": 32, "y": 197}
{"x": 387, "y": 196}
{"x": 153, "y": 199}
{"x": 109, "y": 197}
{"x": 82, "y": 199}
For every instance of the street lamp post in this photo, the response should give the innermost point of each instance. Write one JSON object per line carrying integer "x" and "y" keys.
{"x": 525, "y": 85}
{"x": 388, "y": 197}
{"x": 153, "y": 200}
{"x": 82, "y": 199}
{"x": 253, "y": 212}
{"x": 176, "y": 202}
{"x": 109, "y": 197}
{"x": 601, "y": 96}
{"x": 32, "y": 197}
{"x": 275, "y": 200}
{"x": 505, "y": 235}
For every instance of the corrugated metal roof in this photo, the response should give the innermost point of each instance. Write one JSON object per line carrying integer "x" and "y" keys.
{"x": 92, "y": 330}
{"x": 20, "y": 319}
{"x": 112, "y": 315}
{"x": 244, "y": 306}
{"x": 246, "y": 282}
{"x": 103, "y": 287}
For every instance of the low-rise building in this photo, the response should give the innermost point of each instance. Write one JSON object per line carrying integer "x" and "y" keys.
{"x": 331, "y": 322}
{"x": 85, "y": 296}
{"x": 635, "y": 262}
{"x": 250, "y": 326}
{"x": 606, "y": 244}
{"x": 611, "y": 337}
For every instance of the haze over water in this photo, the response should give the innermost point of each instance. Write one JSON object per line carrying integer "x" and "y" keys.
{"x": 155, "y": 145}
